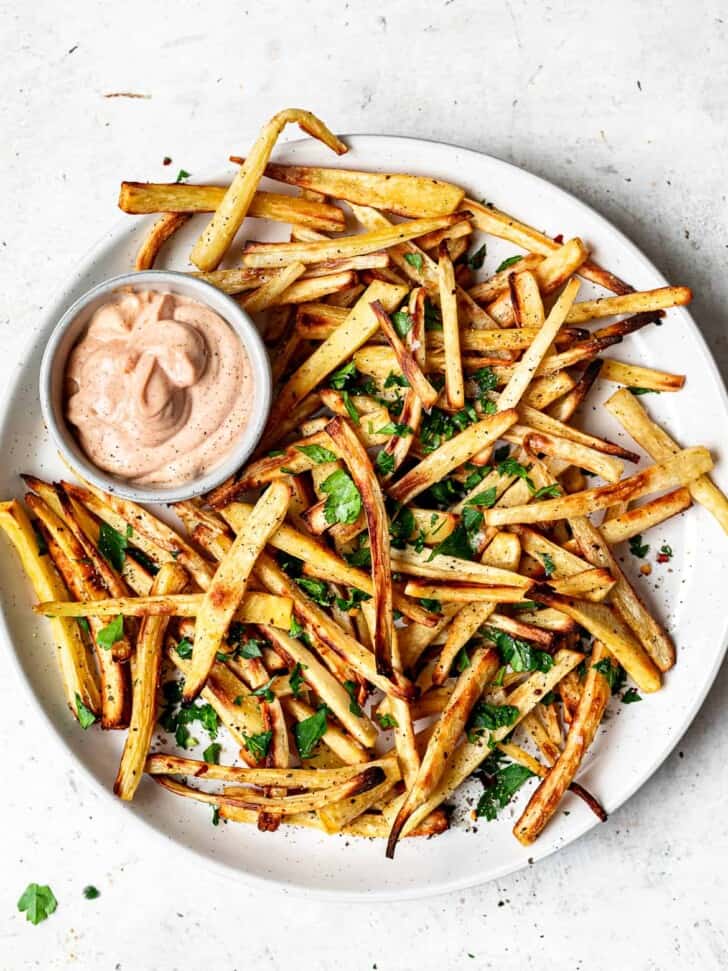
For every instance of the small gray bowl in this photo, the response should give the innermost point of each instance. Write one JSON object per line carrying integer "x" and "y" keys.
{"x": 69, "y": 329}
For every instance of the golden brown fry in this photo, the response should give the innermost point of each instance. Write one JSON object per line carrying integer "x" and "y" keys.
{"x": 180, "y": 197}
{"x": 367, "y": 484}
{"x": 658, "y": 444}
{"x": 603, "y": 623}
{"x": 235, "y": 204}
{"x": 162, "y": 763}
{"x": 81, "y": 579}
{"x": 469, "y": 687}
{"x": 464, "y": 592}
{"x": 279, "y": 254}
{"x": 468, "y": 755}
{"x": 632, "y": 522}
{"x": 628, "y": 605}
{"x": 545, "y": 800}
{"x": 630, "y": 303}
{"x": 227, "y": 587}
{"x": 491, "y": 220}
{"x": 160, "y": 231}
{"x": 266, "y": 295}
{"x": 79, "y": 681}
{"x": 454, "y": 388}
{"x": 635, "y": 376}
{"x": 359, "y": 325}
{"x": 170, "y": 579}
{"x": 256, "y": 608}
{"x": 683, "y": 468}
{"x": 406, "y": 359}
{"x": 405, "y": 195}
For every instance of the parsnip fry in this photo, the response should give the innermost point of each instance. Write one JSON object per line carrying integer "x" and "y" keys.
{"x": 279, "y": 254}
{"x": 170, "y": 579}
{"x": 628, "y": 605}
{"x": 406, "y": 359}
{"x": 227, "y": 587}
{"x": 451, "y": 454}
{"x": 454, "y": 388}
{"x": 470, "y": 685}
{"x": 468, "y": 755}
{"x": 405, "y": 195}
{"x": 366, "y": 482}
{"x": 636, "y": 376}
{"x": 632, "y": 522}
{"x": 256, "y": 608}
{"x": 233, "y": 208}
{"x": 658, "y": 444}
{"x": 160, "y": 231}
{"x": 545, "y": 800}
{"x": 79, "y": 681}
{"x": 682, "y": 469}
{"x": 630, "y": 303}
{"x": 265, "y": 296}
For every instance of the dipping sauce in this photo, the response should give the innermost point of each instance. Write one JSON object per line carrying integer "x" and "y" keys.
{"x": 158, "y": 389}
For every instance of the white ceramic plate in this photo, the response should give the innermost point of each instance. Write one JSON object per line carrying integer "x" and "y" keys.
{"x": 688, "y": 594}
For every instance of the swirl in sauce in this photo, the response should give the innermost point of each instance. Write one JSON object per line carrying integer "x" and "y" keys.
{"x": 159, "y": 388}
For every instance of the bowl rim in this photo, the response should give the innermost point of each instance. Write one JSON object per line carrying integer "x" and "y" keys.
{"x": 236, "y": 318}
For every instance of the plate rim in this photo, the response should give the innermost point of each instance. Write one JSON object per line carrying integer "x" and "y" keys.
{"x": 294, "y": 888}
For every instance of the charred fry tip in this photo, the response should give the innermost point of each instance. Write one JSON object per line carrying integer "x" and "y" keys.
{"x": 591, "y": 801}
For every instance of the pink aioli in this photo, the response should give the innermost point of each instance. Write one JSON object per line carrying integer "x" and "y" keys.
{"x": 159, "y": 388}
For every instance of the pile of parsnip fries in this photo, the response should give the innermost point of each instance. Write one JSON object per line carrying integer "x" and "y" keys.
{"x": 405, "y": 586}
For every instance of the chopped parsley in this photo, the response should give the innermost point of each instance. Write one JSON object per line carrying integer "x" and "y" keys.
{"x": 548, "y": 565}
{"x": 350, "y": 407}
{"x": 351, "y": 690}
{"x": 184, "y": 649}
{"x": 265, "y": 691}
{"x": 501, "y": 789}
{"x": 462, "y": 660}
{"x": 215, "y": 816}
{"x": 665, "y": 554}
{"x": 440, "y": 426}
{"x": 111, "y": 634}
{"x": 212, "y": 753}
{"x": 90, "y": 892}
{"x": 485, "y": 498}
{"x": 353, "y": 600}
{"x": 113, "y": 545}
{"x": 641, "y": 391}
{"x": 296, "y": 629}
{"x": 395, "y": 428}
{"x": 638, "y": 548}
{"x": 614, "y": 673}
{"x": 317, "y": 453}
{"x": 387, "y": 721}
{"x": 630, "y": 696}
{"x": 86, "y": 717}
{"x": 361, "y": 557}
{"x": 40, "y": 542}
{"x": 396, "y": 381}
{"x": 317, "y": 590}
{"x": 518, "y": 653}
{"x": 258, "y": 745}
{"x": 402, "y": 322}
{"x": 475, "y": 260}
{"x": 456, "y": 544}
{"x": 384, "y": 462}
{"x": 181, "y": 175}
{"x": 38, "y": 902}
{"x": 343, "y": 377}
{"x": 295, "y": 679}
{"x": 552, "y": 491}
{"x": 309, "y": 732}
{"x": 511, "y": 261}
{"x": 343, "y": 504}
{"x": 414, "y": 259}
{"x": 429, "y": 603}
{"x": 488, "y": 717}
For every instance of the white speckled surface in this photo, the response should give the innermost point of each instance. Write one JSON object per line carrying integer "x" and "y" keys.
{"x": 623, "y": 105}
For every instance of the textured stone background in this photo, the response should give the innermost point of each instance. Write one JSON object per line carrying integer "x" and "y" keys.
{"x": 624, "y": 104}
